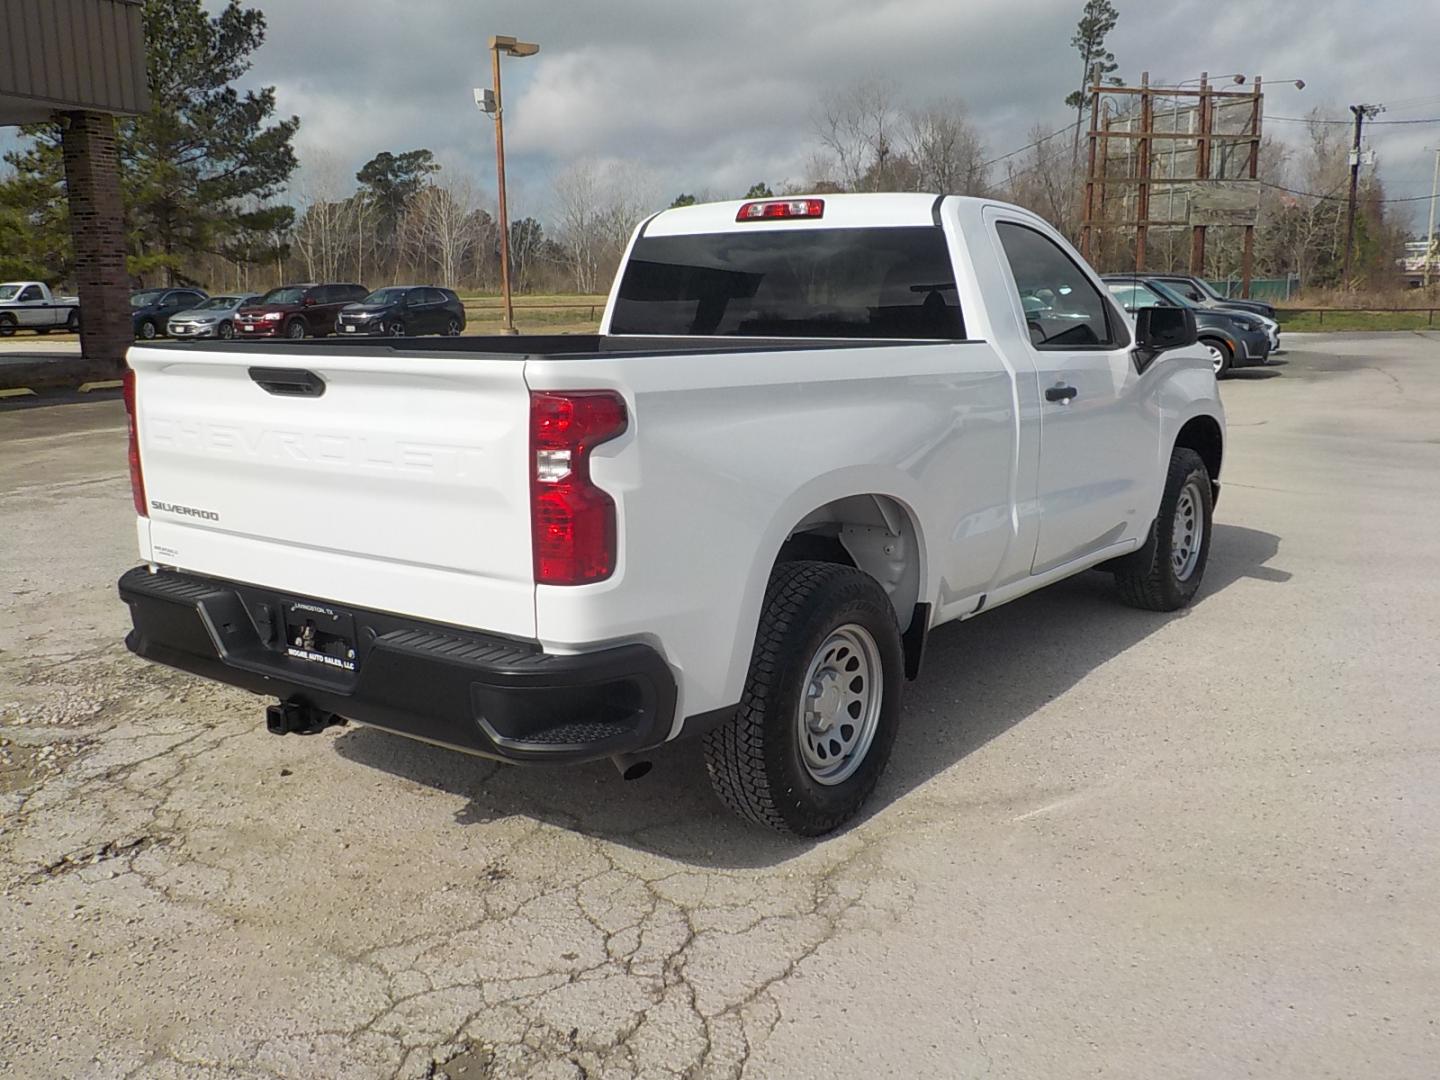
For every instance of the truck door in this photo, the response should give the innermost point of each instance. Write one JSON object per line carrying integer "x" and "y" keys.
{"x": 1098, "y": 432}
{"x": 31, "y": 310}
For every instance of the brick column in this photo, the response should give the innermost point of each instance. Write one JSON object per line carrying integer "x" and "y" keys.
{"x": 97, "y": 224}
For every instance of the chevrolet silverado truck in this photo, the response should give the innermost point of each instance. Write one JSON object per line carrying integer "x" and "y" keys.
{"x": 809, "y": 432}
{"x": 29, "y": 305}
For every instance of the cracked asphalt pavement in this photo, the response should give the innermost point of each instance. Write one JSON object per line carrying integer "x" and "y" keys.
{"x": 1110, "y": 843}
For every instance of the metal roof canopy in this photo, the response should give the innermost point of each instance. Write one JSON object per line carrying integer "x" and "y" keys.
{"x": 63, "y": 55}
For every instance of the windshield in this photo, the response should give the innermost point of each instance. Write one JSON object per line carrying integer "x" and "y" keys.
{"x": 288, "y": 295}
{"x": 865, "y": 283}
{"x": 1208, "y": 289}
{"x": 219, "y": 303}
{"x": 146, "y": 297}
{"x": 1168, "y": 294}
{"x": 386, "y": 297}
{"x": 9, "y": 292}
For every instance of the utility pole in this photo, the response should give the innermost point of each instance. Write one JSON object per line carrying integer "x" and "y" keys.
{"x": 1362, "y": 112}
{"x": 489, "y": 101}
{"x": 1430, "y": 245}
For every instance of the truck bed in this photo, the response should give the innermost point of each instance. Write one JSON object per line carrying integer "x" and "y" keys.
{"x": 538, "y": 346}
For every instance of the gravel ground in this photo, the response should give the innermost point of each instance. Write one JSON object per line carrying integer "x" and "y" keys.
{"x": 1110, "y": 843}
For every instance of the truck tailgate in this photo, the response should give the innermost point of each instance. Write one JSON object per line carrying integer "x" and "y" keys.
{"x": 400, "y": 486}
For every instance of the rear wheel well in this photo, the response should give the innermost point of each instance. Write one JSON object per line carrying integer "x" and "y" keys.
{"x": 876, "y": 535}
{"x": 1202, "y": 434}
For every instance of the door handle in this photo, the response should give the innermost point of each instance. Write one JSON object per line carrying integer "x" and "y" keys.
{"x": 1061, "y": 393}
{"x": 288, "y": 382}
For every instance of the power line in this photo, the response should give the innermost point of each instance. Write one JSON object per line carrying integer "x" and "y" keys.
{"x": 1338, "y": 198}
{"x": 1346, "y": 123}
{"x": 1031, "y": 146}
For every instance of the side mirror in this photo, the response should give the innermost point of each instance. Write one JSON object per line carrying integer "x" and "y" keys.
{"x": 1160, "y": 329}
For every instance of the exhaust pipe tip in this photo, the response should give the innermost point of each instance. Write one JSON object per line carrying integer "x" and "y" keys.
{"x": 631, "y": 766}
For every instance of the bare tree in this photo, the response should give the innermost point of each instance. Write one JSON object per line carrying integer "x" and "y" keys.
{"x": 944, "y": 149}
{"x": 1043, "y": 180}
{"x": 321, "y": 228}
{"x": 596, "y": 208}
{"x": 439, "y": 226}
{"x": 857, "y": 127}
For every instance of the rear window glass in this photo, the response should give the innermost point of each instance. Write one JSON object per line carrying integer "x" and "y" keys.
{"x": 866, "y": 283}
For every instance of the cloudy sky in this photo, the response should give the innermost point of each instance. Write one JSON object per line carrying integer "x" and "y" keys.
{"x": 708, "y": 96}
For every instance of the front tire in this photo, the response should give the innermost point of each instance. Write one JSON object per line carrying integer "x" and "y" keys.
{"x": 821, "y": 704}
{"x": 397, "y": 329}
{"x": 7, "y": 325}
{"x": 295, "y": 330}
{"x": 72, "y": 324}
{"x": 1220, "y": 356}
{"x": 1164, "y": 574}
{"x": 225, "y": 331}
{"x": 148, "y": 330}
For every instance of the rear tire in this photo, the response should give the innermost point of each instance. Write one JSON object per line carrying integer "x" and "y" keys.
{"x": 821, "y": 704}
{"x": 72, "y": 324}
{"x": 7, "y": 325}
{"x": 1164, "y": 574}
{"x": 1220, "y": 356}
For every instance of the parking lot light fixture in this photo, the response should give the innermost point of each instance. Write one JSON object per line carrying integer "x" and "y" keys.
{"x": 491, "y": 102}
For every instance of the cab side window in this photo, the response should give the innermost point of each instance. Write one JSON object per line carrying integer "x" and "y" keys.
{"x": 30, "y": 295}
{"x": 1063, "y": 310}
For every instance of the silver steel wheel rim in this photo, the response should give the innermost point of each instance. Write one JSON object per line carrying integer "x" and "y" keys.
{"x": 1217, "y": 356}
{"x": 1187, "y": 532}
{"x": 839, "y": 709}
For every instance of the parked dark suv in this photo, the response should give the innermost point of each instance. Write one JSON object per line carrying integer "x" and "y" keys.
{"x": 404, "y": 311}
{"x": 150, "y": 309}
{"x": 296, "y": 311}
{"x": 1232, "y": 338}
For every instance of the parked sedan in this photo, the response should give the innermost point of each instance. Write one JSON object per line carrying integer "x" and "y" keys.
{"x": 1198, "y": 290}
{"x": 404, "y": 311}
{"x": 152, "y": 309}
{"x": 1233, "y": 338}
{"x": 213, "y": 319}
{"x": 296, "y": 311}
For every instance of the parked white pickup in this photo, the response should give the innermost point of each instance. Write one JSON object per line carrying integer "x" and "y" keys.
{"x": 29, "y": 305}
{"x": 810, "y": 431}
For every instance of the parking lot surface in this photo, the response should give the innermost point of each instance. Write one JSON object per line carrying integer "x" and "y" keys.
{"x": 1110, "y": 843}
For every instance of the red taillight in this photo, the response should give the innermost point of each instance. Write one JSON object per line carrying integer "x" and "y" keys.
{"x": 137, "y": 477}
{"x": 572, "y": 522}
{"x": 781, "y": 208}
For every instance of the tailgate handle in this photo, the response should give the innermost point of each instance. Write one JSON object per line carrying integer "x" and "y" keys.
{"x": 288, "y": 382}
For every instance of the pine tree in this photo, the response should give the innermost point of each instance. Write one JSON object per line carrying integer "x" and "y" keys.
{"x": 1096, "y": 21}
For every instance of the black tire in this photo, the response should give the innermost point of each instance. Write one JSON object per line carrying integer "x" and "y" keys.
{"x": 1148, "y": 577}
{"x": 755, "y": 762}
{"x": 42, "y": 331}
{"x": 225, "y": 331}
{"x": 453, "y": 328}
{"x": 148, "y": 330}
{"x": 7, "y": 325}
{"x": 295, "y": 329}
{"x": 72, "y": 324}
{"x": 1226, "y": 356}
{"x": 397, "y": 329}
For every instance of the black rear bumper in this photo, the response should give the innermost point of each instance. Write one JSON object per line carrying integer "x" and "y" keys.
{"x": 499, "y": 697}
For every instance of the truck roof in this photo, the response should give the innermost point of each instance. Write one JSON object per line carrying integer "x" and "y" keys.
{"x": 841, "y": 211}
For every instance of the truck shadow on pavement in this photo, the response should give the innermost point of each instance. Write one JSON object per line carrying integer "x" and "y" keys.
{"x": 980, "y": 679}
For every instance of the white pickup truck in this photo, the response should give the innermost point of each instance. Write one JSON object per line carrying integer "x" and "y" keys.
{"x": 29, "y": 305}
{"x": 809, "y": 432}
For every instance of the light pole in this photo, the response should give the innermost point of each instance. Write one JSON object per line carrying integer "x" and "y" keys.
{"x": 1430, "y": 247}
{"x": 489, "y": 101}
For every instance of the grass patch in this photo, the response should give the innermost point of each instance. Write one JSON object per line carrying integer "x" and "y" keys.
{"x": 1298, "y": 321}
